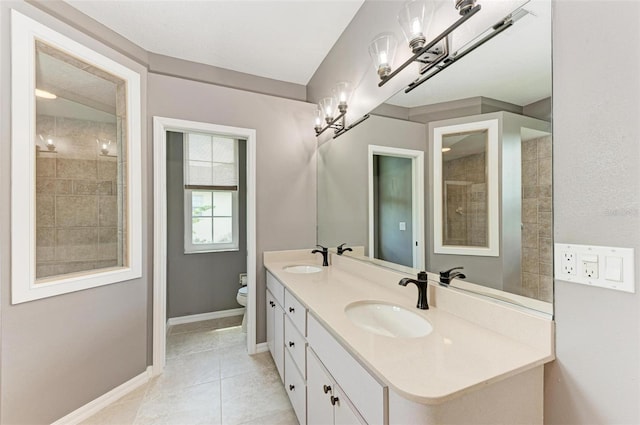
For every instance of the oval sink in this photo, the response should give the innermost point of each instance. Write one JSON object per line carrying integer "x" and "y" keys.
{"x": 387, "y": 319}
{"x": 302, "y": 269}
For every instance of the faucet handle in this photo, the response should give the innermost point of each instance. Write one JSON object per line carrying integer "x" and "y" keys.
{"x": 423, "y": 276}
{"x": 324, "y": 249}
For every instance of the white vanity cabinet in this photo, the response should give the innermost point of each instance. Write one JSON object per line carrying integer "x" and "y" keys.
{"x": 275, "y": 322}
{"x": 326, "y": 402}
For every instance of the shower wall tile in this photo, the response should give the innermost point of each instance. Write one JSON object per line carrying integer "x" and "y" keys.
{"x": 45, "y": 212}
{"x": 107, "y": 169}
{"x": 76, "y": 211}
{"x": 108, "y": 211}
{"x": 45, "y": 167}
{"x": 76, "y": 169}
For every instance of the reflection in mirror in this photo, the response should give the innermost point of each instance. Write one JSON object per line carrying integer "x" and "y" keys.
{"x": 508, "y": 80}
{"x": 464, "y": 189}
{"x": 80, "y": 191}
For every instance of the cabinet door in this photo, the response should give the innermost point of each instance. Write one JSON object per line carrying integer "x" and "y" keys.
{"x": 343, "y": 411}
{"x": 270, "y": 324}
{"x": 319, "y": 408}
{"x": 278, "y": 339}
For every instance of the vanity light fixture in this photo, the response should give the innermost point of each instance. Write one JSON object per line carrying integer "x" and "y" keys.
{"x": 333, "y": 109}
{"x": 429, "y": 54}
{"x": 383, "y": 50}
{"x": 104, "y": 146}
{"x": 48, "y": 143}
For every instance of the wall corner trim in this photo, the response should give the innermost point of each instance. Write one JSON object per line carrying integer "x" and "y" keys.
{"x": 105, "y": 400}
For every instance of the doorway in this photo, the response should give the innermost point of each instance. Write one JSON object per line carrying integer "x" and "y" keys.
{"x": 396, "y": 205}
{"x": 161, "y": 127}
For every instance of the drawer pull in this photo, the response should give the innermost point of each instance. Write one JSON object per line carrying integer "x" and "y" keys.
{"x": 292, "y": 387}
{"x": 292, "y": 310}
{"x": 334, "y": 400}
{"x": 291, "y": 343}
{"x": 326, "y": 388}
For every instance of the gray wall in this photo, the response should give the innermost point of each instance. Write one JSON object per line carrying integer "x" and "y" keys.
{"x": 342, "y": 176}
{"x": 208, "y": 281}
{"x": 286, "y": 160}
{"x": 596, "y": 201}
{"x": 596, "y": 376}
{"x": 62, "y": 352}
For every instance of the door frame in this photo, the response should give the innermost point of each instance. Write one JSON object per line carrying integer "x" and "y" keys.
{"x": 160, "y": 127}
{"x": 417, "y": 195}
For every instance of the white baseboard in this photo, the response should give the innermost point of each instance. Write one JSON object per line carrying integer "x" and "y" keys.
{"x": 262, "y": 347}
{"x": 205, "y": 316}
{"x": 104, "y": 400}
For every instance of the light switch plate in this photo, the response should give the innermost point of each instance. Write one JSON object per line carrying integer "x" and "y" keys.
{"x": 602, "y": 266}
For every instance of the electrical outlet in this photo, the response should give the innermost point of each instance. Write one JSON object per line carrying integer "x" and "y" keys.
{"x": 590, "y": 266}
{"x": 569, "y": 263}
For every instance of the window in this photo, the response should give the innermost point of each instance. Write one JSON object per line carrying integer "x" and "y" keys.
{"x": 211, "y": 193}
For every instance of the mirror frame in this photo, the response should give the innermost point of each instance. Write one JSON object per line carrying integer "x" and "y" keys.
{"x": 24, "y": 33}
{"x": 493, "y": 220}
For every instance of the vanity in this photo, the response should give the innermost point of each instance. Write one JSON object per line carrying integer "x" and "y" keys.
{"x": 476, "y": 360}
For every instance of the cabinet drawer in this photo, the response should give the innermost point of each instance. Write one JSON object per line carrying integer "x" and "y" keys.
{"x": 276, "y": 288}
{"x": 296, "y": 345}
{"x": 368, "y": 396}
{"x": 295, "y": 387}
{"x": 296, "y": 311}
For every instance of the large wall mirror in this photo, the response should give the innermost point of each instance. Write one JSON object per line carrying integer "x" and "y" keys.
{"x": 75, "y": 152}
{"x": 484, "y": 126}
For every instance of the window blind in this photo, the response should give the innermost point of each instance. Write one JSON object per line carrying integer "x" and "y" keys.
{"x": 211, "y": 162}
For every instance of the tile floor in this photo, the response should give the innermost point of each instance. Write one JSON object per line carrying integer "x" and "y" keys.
{"x": 209, "y": 379}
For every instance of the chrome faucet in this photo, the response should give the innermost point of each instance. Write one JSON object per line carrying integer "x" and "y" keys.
{"x": 422, "y": 283}
{"x": 448, "y": 275}
{"x": 342, "y": 250}
{"x": 325, "y": 254}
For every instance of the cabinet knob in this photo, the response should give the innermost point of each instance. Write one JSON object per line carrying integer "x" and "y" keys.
{"x": 292, "y": 387}
{"x": 326, "y": 388}
{"x": 334, "y": 400}
{"x": 272, "y": 304}
{"x": 291, "y": 343}
{"x": 292, "y": 310}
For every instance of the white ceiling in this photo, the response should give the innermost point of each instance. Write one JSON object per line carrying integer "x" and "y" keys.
{"x": 284, "y": 40}
{"x": 513, "y": 67}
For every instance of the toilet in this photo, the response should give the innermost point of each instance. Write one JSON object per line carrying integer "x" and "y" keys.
{"x": 242, "y": 300}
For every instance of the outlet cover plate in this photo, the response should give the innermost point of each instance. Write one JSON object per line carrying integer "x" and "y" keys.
{"x": 598, "y": 258}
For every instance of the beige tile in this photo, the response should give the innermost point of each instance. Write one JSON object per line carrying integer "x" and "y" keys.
{"x": 544, "y": 171}
{"x": 530, "y": 211}
{"x": 545, "y": 292}
{"x": 187, "y": 371}
{"x": 530, "y": 173}
{"x": 546, "y": 269}
{"x": 108, "y": 211}
{"x": 530, "y": 235}
{"x": 107, "y": 234}
{"x": 283, "y": 417}
{"x": 45, "y": 167}
{"x": 545, "y": 204}
{"x": 249, "y": 389}
{"x": 545, "y": 225}
{"x": 91, "y": 187}
{"x": 44, "y": 185}
{"x": 545, "y": 191}
{"x": 195, "y": 405}
{"x": 530, "y": 260}
{"x": 107, "y": 169}
{"x": 235, "y": 361}
{"x": 45, "y": 210}
{"x": 545, "y": 147}
{"x": 546, "y": 250}
{"x": 529, "y": 192}
{"x": 530, "y": 285}
{"x": 76, "y": 211}
{"x": 107, "y": 251}
{"x": 530, "y": 150}
{"x": 192, "y": 342}
{"x": 76, "y": 236}
{"x": 45, "y": 236}
{"x": 206, "y": 325}
{"x": 123, "y": 413}
{"x": 76, "y": 169}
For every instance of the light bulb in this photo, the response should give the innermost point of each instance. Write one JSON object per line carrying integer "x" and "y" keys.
{"x": 382, "y": 50}
{"x": 328, "y": 107}
{"x": 49, "y": 142}
{"x": 104, "y": 146}
{"x": 45, "y": 94}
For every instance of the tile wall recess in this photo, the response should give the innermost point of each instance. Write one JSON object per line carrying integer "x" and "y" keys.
{"x": 537, "y": 213}
{"x": 78, "y": 225}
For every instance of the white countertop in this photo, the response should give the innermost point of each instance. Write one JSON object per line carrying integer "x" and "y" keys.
{"x": 456, "y": 357}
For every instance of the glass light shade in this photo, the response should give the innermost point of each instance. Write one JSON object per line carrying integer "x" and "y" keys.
{"x": 342, "y": 93}
{"x": 328, "y": 107}
{"x": 383, "y": 50}
{"x": 317, "y": 122}
{"x": 415, "y": 18}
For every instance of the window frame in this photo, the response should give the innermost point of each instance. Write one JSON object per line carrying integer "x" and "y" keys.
{"x": 189, "y": 246}
{"x": 24, "y": 33}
